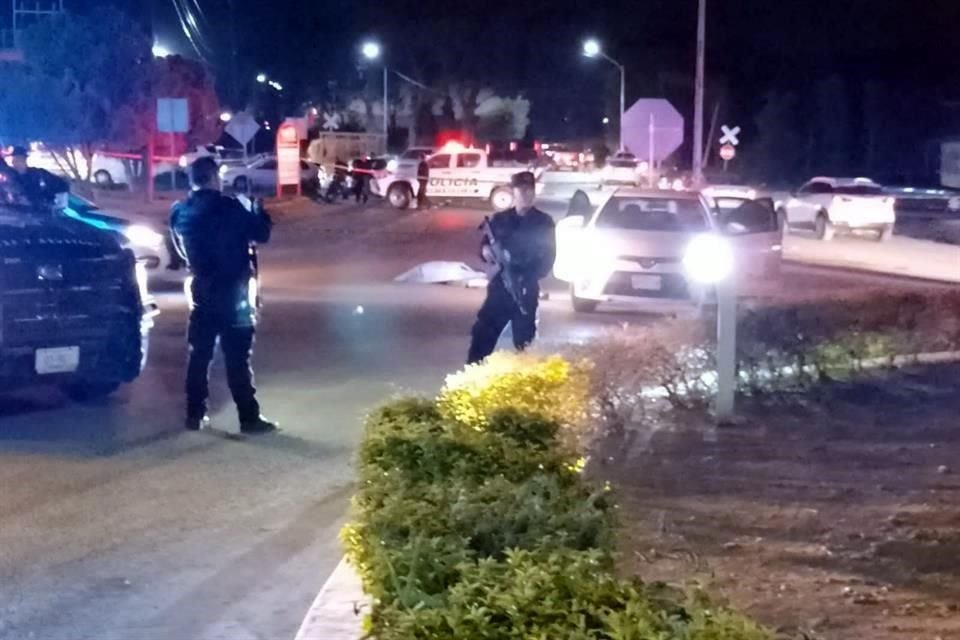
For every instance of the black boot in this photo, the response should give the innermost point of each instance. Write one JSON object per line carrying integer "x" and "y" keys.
{"x": 257, "y": 425}
{"x": 196, "y": 423}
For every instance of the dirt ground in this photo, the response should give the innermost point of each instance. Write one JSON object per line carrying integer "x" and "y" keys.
{"x": 831, "y": 517}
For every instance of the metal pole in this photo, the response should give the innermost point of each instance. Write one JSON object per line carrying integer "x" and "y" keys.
{"x": 623, "y": 102}
{"x": 173, "y": 170}
{"x": 650, "y": 155}
{"x": 726, "y": 348}
{"x": 698, "y": 95}
{"x": 386, "y": 117}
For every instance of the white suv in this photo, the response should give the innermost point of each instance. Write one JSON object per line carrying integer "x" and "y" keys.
{"x": 827, "y": 205}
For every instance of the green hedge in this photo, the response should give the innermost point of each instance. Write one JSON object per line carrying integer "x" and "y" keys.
{"x": 484, "y": 528}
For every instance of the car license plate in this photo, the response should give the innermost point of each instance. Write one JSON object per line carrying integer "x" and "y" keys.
{"x": 645, "y": 283}
{"x": 57, "y": 360}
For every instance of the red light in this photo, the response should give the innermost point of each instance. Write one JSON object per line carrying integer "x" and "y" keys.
{"x": 288, "y": 134}
{"x": 537, "y": 146}
{"x": 513, "y": 146}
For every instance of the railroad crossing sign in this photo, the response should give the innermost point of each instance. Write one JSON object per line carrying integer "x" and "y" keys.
{"x": 331, "y": 121}
{"x": 728, "y": 152}
{"x": 730, "y": 136}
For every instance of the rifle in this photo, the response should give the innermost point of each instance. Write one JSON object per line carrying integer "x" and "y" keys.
{"x": 510, "y": 280}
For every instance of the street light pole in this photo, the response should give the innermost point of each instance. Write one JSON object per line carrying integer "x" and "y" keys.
{"x": 698, "y": 94}
{"x": 592, "y": 49}
{"x": 386, "y": 116}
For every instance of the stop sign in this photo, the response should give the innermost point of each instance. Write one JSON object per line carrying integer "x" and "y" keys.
{"x": 728, "y": 152}
{"x": 652, "y": 127}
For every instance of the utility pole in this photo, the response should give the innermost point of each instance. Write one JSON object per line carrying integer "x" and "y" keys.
{"x": 698, "y": 94}
{"x": 234, "y": 53}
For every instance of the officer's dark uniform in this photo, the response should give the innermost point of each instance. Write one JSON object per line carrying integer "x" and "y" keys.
{"x": 39, "y": 186}
{"x": 529, "y": 238}
{"x": 214, "y": 234}
{"x": 423, "y": 178}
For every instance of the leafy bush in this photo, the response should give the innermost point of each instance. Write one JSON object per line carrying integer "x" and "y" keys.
{"x": 561, "y": 594}
{"x": 473, "y": 520}
{"x": 550, "y": 387}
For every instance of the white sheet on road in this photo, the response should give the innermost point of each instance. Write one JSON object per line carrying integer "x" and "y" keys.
{"x": 901, "y": 256}
{"x": 443, "y": 272}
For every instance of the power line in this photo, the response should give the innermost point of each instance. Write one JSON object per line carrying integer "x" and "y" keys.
{"x": 188, "y": 25}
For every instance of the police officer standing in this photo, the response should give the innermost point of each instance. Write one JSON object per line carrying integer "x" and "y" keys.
{"x": 214, "y": 234}
{"x": 527, "y": 243}
{"x": 423, "y": 178}
{"x": 39, "y": 186}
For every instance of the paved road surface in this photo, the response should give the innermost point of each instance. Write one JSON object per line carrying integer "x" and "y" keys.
{"x": 115, "y": 524}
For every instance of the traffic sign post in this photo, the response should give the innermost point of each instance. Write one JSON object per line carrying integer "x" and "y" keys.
{"x": 242, "y": 128}
{"x": 653, "y": 125}
{"x": 288, "y": 157}
{"x": 173, "y": 117}
{"x": 730, "y": 139}
{"x": 727, "y": 152}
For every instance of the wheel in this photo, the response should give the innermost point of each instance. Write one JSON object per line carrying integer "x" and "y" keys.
{"x": 823, "y": 227}
{"x": 103, "y": 178}
{"x": 87, "y": 391}
{"x": 399, "y": 196}
{"x": 501, "y": 198}
{"x": 582, "y": 305}
{"x": 240, "y": 184}
{"x": 783, "y": 221}
{"x": 886, "y": 233}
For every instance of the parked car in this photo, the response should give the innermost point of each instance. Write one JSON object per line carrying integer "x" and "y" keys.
{"x": 829, "y": 205}
{"x": 622, "y": 169}
{"x": 261, "y": 174}
{"x": 76, "y": 309}
{"x": 150, "y": 243}
{"x": 632, "y": 245}
{"x": 563, "y": 157}
{"x": 409, "y": 158}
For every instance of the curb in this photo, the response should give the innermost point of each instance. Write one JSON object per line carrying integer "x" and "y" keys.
{"x": 337, "y": 612}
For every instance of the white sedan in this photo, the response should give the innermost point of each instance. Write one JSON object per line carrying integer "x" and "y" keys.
{"x": 828, "y": 205}
{"x": 261, "y": 174}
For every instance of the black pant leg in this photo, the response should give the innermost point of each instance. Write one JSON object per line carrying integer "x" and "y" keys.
{"x": 494, "y": 314}
{"x": 421, "y": 193}
{"x": 201, "y": 338}
{"x": 524, "y": 325}
{"x": 237, "y": 346}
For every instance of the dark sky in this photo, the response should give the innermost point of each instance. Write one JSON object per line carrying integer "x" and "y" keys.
{"x": 752, "y": 45}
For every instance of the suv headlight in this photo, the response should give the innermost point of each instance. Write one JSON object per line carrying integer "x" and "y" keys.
{"x": 142, "y": 236}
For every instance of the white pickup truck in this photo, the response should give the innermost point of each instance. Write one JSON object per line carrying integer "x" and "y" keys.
{"x": 455, "y": 172}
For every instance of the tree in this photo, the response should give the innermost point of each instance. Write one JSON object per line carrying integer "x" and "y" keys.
{"x": 90, "y": 81}
{"x": 777, "y": 153}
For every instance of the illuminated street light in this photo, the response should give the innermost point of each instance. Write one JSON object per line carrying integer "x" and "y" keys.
{"x": 261, "y": 78}
{"x": 226, "y": 116}
{"x": 592, "y": 49}
{"x": 370, "y": 50}
{"x": 606, "y": 120}
{"x": 160, "y": 51}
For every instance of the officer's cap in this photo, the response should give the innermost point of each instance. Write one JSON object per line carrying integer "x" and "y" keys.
{"x": 523, "y": 179}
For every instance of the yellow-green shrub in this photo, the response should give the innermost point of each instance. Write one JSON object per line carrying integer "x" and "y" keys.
{"x": 529, "y": 384}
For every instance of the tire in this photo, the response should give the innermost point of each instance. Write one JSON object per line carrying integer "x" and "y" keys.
{"x": 240, "y": 184}
{"x": 103, "y": 178}
{"x": 87, "y": 391}
{"x": 824, "y": 228}
{"x": 885, "y": 234}
{"x": 582, "y": 305}
{"x": 501, "y": 199}
{"x": 783, "y": 221}
{"x": 399, "y": 196}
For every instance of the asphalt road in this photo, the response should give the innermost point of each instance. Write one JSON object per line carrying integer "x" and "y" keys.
{"x": 116, "y": 524}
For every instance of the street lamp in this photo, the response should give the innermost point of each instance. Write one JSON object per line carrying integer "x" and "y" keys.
{"x": 709, "y": 260}
{"x": 371, "y": 51}
{"x": 261, "y": 78}
{"x": 592, "y": 49}
{"x": 160, "y": 51}
{"x": 226, "y": 116}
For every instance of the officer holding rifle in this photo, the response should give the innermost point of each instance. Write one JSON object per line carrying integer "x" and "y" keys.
{"x": 521, "y": 243}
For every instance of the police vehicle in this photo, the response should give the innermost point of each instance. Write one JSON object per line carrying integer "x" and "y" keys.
{"x": 456, "y": 171}
{"x": 74, "y": 306}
